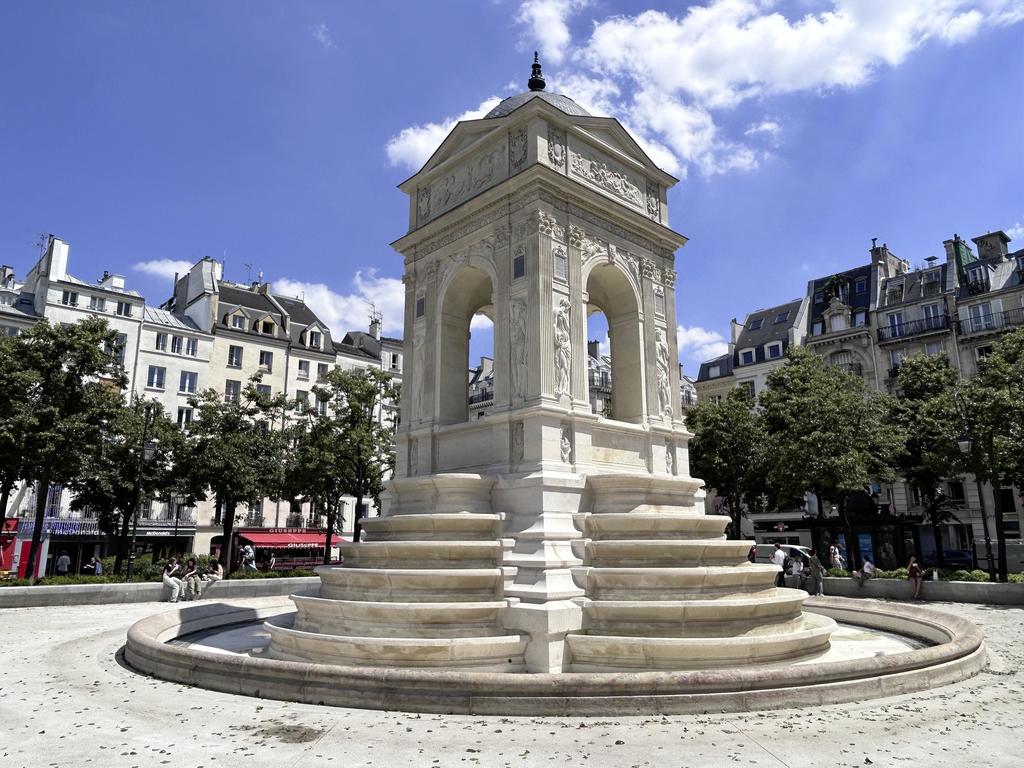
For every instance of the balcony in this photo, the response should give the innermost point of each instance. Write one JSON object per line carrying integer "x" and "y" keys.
{"x": 186, "y": 518}
{"x": 482, "y": 396}
{"x": 854, "y": 368}
{"x": 913, "y": 328}
{"x": 994, "y": 323}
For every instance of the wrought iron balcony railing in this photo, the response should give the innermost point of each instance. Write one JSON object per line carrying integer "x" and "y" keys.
{"x": 913, "y": 328}
{"x": 997, "y": 321}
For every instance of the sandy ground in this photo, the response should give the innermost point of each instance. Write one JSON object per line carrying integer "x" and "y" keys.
{"x": 66, "y": 701}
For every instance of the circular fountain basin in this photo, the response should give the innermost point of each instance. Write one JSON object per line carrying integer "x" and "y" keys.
{"x": 879, "y": 650}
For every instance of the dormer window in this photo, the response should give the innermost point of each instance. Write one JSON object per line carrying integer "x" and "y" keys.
{"x": 894, "y": 293}
{"x": 237, "y": 321}
{"x": 268, "y": 327}
{"x": 930, "y": 284}
{"x": 755, "y": 324}
{"x": 977, "y": 278}
{"x": 773, "y": 351}
{"x": 746, "y": 357}
{"x": 781, "y": 317}
{"x": 315, "y": 339}
{"x": 1020, "y": 263}
{"x": 714, "y": 372}
{"x": 861, "y": 285}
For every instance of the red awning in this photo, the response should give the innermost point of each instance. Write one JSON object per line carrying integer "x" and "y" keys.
{"x": 289, "y": 540}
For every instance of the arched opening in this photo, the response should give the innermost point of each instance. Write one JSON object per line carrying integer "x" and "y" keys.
{"x": 481, "y": 365}
{"x": 610, "y": 293}
{"x": 468, "y": 293}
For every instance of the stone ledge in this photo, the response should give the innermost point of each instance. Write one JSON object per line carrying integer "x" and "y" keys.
{"x": 959, "y": 654}
{"x": 942, "y": 591}
{"x": 144, "y": 592}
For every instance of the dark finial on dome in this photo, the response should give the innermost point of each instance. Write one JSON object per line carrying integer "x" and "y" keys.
{"x": 536, "y": 82}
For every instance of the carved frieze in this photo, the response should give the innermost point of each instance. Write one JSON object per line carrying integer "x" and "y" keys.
{"x": 517, "y": 151}
{"x": 593, "y": 247}
{"x": 422, "y": 205}
{"x": 654, "y": 201}
{"x": 650, "y": 270}
{"x": 669, "y": 277}
{"x": 556, "y": 147}
{"x": 576, "y": 236}
{"x": 548, "y": 225}
{"x": 472, "y": 177}
{"x": 604, "y": 173}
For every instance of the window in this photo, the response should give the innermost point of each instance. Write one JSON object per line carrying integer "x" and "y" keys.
{"x": 263, "y": 389}
{"x": 955, "y": 490}
{"x": 755, "y": 324}
{"x": 161, "y": 342}
{"x": 561, "y": 264}
{"x": 8, "y": 330}
{"x": 894, "y": 293}
{"x": 155, "y": 377}
{"x": 98, "y": 303}
{"x": 837, "y": 322}
{"x": 981, "y": 317}
{"x": 321, "y": 407}
{"x": 184, "y": 417}
{"x": 119, "y": 346}
{"x": 420, "y": 306}
{"x": 268, "y": 327}
{"x": 860, "y": 318}
{"x": 977, "y": 278}
{"x": 519, "y": 265}
{"x": 749, "y": 388}
{"x": 191, "y": 347}
{"x": 774, "y": 350}
{"x": 188, "y": 381}
{"x": 396, "y": 361}
{"x": 234, "y": 356}
{"x": 232, "y": 391}
{"x": 860, "y": 285}
{"x": 714, "y": 372}
{"x": 934, "y": 349}
{"x": 930, "y": 284}
{"x": 819, "y": 297}
{"x": 896, "y": 357}
{"x": 69, "y": 298}
{"x": 238, "y": 322}
{"x": 895, "y": 324}
{"x": 124, "y": 308}
{"x": 176, "y": 344}
{"x": 915, "y": 496}
{"x": 315, "y": 339}
{"x": 980, "y": 353}
{"x": 781, "y": 317}
{"x": 266, "y": 360}
{"x": 817, "y": 327}
{"x": 302, "y": 398}
{"x": 746, "y": 357}
{"x": 321, "y": 370}
{"x": 303, "y": 369}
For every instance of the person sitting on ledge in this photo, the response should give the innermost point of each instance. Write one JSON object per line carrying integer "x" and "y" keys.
{"x": 866, "y": 572}
{"x": 171, "y": 581}
{"x": 191, "y": 580}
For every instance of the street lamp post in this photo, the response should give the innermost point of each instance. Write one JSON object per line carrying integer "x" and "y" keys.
{"x": 146, "y": 449}
{"x": 966, "y": 446}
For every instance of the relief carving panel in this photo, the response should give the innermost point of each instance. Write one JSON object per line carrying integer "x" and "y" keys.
{"x": 606, "y": 174}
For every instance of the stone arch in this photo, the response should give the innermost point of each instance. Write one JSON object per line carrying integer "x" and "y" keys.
{"x": 610, "y": 291}
{"x": 466, "y": 291}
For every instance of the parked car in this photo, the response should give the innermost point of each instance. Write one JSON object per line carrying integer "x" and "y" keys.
{"x": 793, "y": 551}
{"x": 955, "y": 558}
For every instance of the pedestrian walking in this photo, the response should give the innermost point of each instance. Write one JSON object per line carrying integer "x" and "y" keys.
{"x": 916, "y": 576}
{"x": 815, "y": 573}
{"x": 63, "y": 564}
{"x": 779, "y": 558}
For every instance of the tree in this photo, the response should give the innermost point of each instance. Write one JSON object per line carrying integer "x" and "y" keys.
{"x": 926, "y": 412}
{"x": 357, "y": 402}
{"x": 234, "y": 452}
{"x": 17, "y": 416}
{"x": 826, "y": 434}
{"x": 996, "y": 425}
{"x": 727, "y": 451}
{"x": 77, "y": 378}
{"x": 112, "y": 484}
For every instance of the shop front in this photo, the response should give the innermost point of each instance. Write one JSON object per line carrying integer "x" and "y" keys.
{"x": 288, "y": 548}
{"x": 81, "y": 539}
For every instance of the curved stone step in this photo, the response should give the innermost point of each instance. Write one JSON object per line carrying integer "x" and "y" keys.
{"x": 723, "y": 616}
{"x": 410, "y": 584}
{"x": 702, "y": 583}
{"x": 458, "y": 526}
{"x": 421, "y": 554}
{"x": 666, "y": 553}
{"x": 502, "y": 653}
{"x": 641, "y": 492}
{"x": 654, "y": 525}
{"x": 803, "y": 636}
{"x": 381, "y": 619}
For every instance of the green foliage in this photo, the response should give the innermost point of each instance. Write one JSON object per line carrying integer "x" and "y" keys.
{"x": 1016, "y": 578}
{"x": 727, "y": 451}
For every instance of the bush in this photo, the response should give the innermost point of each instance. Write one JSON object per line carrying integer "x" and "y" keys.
{"x": 899, "y": 573}
{"x": 837, "y": 572}
{"x": 962, "y": 575}
{"x": 296, "y": 573}
{"x": 1015, "y": 578}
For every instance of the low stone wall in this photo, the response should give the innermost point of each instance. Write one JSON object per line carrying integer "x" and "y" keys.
{"x": 146, "y": 592}
{"x": 942, "y": 591}
{"x": 958, "y": 653}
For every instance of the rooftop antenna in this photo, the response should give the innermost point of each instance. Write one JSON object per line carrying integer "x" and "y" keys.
{"x": 41, "y": 242}
{"x": 248, "y": 273}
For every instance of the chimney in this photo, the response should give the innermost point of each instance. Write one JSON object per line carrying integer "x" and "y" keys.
{"x": 58, "y": 259}
{"x": 113, "y": 282}
{"x": 6, "y": 276}
{"x": 992, "y": 247}
{"x": 594, "y": 349}
{"x": 375, "y": 328}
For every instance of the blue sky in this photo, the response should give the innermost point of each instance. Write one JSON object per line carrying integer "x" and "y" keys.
{"x": 273, "y": 134}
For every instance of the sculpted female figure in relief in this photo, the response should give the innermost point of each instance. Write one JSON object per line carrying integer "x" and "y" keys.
{"x": 563, "y": 348}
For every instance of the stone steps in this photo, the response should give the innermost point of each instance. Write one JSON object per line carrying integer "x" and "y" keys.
{"x": 802, "y": 637}
{"x": 422, "y": 554}
{"x": 411, "y": 584}
{"x": 695, "y": 583}
{"x": 394, "y": 619}
{"x": 667, "y": 553}
{"x": 654, "y": 525}
{"x": 502, "y": 653}
{"x": 459, "y": 526}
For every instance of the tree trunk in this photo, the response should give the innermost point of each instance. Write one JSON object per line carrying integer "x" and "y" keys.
{"x": 933, "y": 515}
{"x": 852, "y": 547}
{"x": 123, "y": 542}
{"x": 332, "y": 511}
{"x": 736, "y": 514}
{"x": 997, "y": 508}
{"x": 357, "y": 525}
{"x": 228, "y": 522}
{"x": 42, "y": 491}
{"x": 5, "y": 495}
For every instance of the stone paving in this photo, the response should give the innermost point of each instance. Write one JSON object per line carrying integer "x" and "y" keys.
{"x": 66, "y": 701}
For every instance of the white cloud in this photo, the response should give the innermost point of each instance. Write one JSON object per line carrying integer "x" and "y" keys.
{"x": 769, "y": 128}
{"x": 322, "y": 34}
{"x": 351, "y": 311}
{"x": 414, "y": 145}
{"x": 547, "y": 22}
{"x": 699, "y": 343}
{"x": 163, "y": 267}
{"x": 1016, "y": 232}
